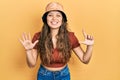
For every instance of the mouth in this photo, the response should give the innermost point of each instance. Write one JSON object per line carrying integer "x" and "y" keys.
{"x": 54, "y": 23}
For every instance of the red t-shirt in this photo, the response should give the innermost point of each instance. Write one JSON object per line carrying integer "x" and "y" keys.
{"x": 73, "y": 41}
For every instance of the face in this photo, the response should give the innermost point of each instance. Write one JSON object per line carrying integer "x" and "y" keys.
{"x": 54, "y": 19}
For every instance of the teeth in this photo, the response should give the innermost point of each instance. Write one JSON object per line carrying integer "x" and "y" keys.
{"x": 54, "y": 23}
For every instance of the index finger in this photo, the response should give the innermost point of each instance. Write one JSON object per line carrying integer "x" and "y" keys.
{"x": 84, "y": 33}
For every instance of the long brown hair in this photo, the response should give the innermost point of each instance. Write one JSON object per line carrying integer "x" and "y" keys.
{"x": 45, "y": 44}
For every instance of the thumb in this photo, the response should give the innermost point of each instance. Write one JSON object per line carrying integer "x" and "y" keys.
{"x": 35, "y": 42}
{"x": 82, "y": 42}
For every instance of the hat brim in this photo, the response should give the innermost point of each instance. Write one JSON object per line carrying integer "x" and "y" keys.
{"x": 44, "y": 17}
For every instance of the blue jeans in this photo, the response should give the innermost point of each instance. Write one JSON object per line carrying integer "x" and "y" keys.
{"x": 44, "y": 74}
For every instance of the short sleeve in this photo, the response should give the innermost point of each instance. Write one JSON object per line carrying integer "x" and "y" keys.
{"x": 35, "y": 37}
{"x": 73, "y": 40}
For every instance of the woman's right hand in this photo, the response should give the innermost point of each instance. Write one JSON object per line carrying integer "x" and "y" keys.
{"x": 27, "y": 42}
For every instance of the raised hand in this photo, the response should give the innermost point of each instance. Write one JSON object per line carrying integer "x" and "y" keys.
{"x": 26, "y": 41}
{"x": 88, "y": 39}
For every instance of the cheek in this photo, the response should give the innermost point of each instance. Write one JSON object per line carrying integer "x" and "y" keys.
{"x": 60, "y": 21}
{"x": 48, "y": 20}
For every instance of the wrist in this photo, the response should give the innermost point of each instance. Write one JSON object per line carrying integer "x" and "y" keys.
{"x": 89, "y": 46}
{"x": 28, "y": 49}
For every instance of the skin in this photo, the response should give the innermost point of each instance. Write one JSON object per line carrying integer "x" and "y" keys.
{"x": 54, "y": 20}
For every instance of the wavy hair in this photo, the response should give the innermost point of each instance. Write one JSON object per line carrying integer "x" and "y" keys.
{"x": 45, "y": 44}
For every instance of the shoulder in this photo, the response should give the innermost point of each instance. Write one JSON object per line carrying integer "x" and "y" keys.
{"x": 36, "y": 36}
{"x": 71, "y": 34}
{"x": 73, "y": 39}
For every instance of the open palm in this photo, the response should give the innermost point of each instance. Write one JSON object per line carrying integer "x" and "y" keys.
{"x": 26, "y": 41}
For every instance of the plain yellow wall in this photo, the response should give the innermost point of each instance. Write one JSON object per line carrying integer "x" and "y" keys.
{"x": 101, "y": 18}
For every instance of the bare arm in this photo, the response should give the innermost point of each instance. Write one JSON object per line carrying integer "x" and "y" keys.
{"x": 31, "y": 54}
{"x": 85, "y": 56}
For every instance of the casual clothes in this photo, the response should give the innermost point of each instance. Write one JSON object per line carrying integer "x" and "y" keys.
{"x": 44, "y": 74}
{"x": 55, "y": 55}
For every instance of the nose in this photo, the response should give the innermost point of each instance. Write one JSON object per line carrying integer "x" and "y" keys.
{"x": 54, "y": 17}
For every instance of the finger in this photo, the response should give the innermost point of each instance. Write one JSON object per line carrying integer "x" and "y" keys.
{"x": 88, "y": 37}
{"x": 25, "y": 36}
{"x": 84, "y": 33}
{"x": 92, "y": 38}
{"x": 21, "y": 41}
{"x": 35, "y": 42}
{"x": 29, "y": 36}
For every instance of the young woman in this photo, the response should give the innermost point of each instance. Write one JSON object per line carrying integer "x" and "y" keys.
{"x": 54, "y": 44}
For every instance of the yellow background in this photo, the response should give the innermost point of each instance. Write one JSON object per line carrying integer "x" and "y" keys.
{"x": 100, "y": 18}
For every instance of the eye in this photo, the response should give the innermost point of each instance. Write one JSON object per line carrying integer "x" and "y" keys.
{"x": 58, "y": 15}
{"x": 49, "y": 15}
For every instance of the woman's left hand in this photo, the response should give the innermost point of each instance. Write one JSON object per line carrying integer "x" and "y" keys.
{"x": 88, "y": 39}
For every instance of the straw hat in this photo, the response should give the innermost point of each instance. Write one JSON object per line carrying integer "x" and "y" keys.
{"x": 54, "y": 6}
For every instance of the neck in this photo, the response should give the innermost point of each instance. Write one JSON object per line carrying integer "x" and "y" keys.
{"x": 54, "y": 32}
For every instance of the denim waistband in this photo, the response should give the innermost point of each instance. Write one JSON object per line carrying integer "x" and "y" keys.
{"x": 65, "y": 68}
{"x": 45, "y": 74}
{"x": 46, "y": 71}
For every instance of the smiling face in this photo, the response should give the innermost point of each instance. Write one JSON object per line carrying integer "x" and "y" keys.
{"x": 54, "y": 19}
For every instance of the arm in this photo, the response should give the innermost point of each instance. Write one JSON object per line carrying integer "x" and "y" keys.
{"x": 85, "y": 56}
{"x": 31, "y": 54}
